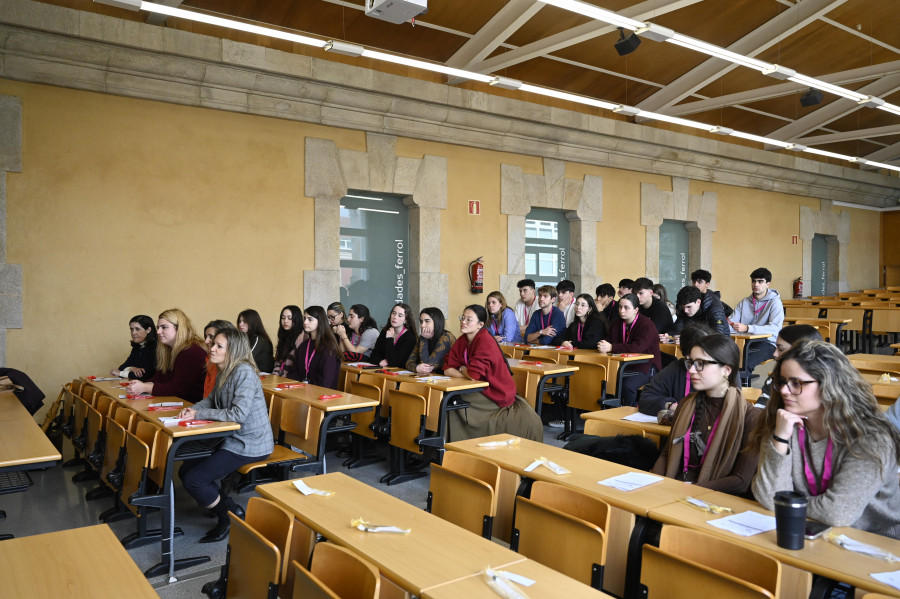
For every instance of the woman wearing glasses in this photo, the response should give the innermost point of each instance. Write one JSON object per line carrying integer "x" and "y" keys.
{"x": 823, "y": 435}
{"x": 713, "y": 424}
{"x": 496, "y": 408}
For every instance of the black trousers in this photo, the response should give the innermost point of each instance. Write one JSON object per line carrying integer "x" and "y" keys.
{"x": 201, "y": 477}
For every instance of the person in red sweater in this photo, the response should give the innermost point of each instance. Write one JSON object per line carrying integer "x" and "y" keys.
{"x": 495, "y": 408}
{"x": 632, "y": 333}
{"x": 180, "y": 359}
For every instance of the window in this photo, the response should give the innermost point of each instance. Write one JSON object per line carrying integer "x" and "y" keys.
{"x": 674, "y": 247}
{"x": 546, "y": 247}
{"x": 374, "y": 252}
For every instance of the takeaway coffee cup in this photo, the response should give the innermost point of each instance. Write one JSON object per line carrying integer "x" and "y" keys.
{"x": 790, "y": 519}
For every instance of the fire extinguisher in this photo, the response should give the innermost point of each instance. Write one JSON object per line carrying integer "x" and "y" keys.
{"x": 476, "y": 275}
{"x": 798, "y": 287}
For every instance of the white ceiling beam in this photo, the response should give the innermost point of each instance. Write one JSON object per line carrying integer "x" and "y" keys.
{"x": 783, "y": 89}
{"x": 835, "y": 110}
{"x": 507, "y": 21}
{"x": 758, "y": 40}
{"x": 157, "y": 19}
{"x": 818, "y": 140}
{"x": 643, "y": 11}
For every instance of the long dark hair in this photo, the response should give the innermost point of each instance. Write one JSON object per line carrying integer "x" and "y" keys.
{"x": 287, "y": 339}
{"x": 723, "y": 350}
{"x": 145, "y": 323}
{"x": 410, "y": 324}
{"x": 362, "y": 312}
{"x": 438, "y": 318}
{"x": 325, "y": 340}
{"x": 255, "y": 328}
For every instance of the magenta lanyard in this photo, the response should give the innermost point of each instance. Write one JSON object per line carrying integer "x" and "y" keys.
{"x": 308, "y": 359}
{"x": 580, "y": 330}
{"x": 354, "y": 339}
{"x": 466, "y": 356}
{"x": 816, "y": 485}
{"x": 687, "y": 442}
{"x": 687, "y": 387}
{"x": 397, "y": 337}
{"x": 493, "y": 328}
{"x": 761, "y": 308}
{"x": 626, "y": 333}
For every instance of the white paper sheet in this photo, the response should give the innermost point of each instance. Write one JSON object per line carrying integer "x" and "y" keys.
{"x": 888, "y": 578}
{"x": 553, "y": 466}
{"x": 745, "y": 524}
{"x": 307, "y": 490}
{"x": 630, "y": 481}
{"x": 638, "y": 417}
{"x": 166, "y": 404}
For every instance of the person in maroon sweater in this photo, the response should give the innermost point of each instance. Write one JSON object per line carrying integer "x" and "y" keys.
{"x": 632, "y": 333}
{"x": 180, "y": 360}
{"x": 496, "y": 408}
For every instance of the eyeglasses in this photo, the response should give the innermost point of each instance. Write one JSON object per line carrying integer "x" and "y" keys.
{"x": 698, "y": 365}
{"x": 468, "y": 320}
{"x": 795, "y": 386}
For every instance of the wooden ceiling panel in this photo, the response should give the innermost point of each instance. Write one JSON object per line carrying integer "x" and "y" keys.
{"x": 720, "y": 22}
{"x": 875, "y": 18}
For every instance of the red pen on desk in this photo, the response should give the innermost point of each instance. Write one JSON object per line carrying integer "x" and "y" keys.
{"x": 138, "y": 396}
{"x": 124, "y": 384}
{"x": 190, "y": 423}
{"x": 290, "y": 385}
{"x": 91, "y": 378}
{"x": 531, "y": 363}
{"x": 327, "y": 397}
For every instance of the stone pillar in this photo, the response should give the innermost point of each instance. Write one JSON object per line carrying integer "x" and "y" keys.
{"x": 11, "y": 291}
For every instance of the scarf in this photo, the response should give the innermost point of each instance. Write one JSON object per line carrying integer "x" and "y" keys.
{"x": 722, "y": 452}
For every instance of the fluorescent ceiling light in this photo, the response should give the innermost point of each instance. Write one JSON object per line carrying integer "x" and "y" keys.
{"x": 350, "y": 195}
{"x": 776, "y": 71}
{"x": 343, "y": 48}
{"x": 892, "y": 108}
{"x": 428, "y": 66}
{"x": 376, "y": 210}
{"x": 761, "y": 139}
{"x": 595, "y": 12}
{"x": 827, "y": 87}
{"x": 674, "y": 120}
{"x": 505, "y": 83}
{"x": 718, "y": 52}
{"x": 892, "y": 167}
{"x": 829, "y": 154}
{"x": 654, "y": 32}
{"x": 555, "y": 93}
{"x": 626, "y": 110}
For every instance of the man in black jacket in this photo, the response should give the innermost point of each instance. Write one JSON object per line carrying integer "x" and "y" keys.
{"x": 651, "y": 307}
{"x": 699, "y": 308}
{"x": 701, "y": 280}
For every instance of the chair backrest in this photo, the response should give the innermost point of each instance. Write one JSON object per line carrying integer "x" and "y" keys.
{"x": 303, "y": 539}
{"x": 137, "y": 459}
{"x": 547, "y": 356}
{"x": 407, "y": 410}
{"x": 94, "y": 426}
{"x": 563, "y": 529}
{"x": 463, "y": 491}
{"x": 606, "y": 428}
{"x": 273, "y": 405}
{"x": 364, "y": 419}
{"x": 300, "y": 424}
{"x": 346, "y": 574}
{"x": 724, "y": 556}
{"x": 751, "y": 394}
{"x": 306, "y": 585}
{"x": 125, "y": 418}
{"x": 254, "y": 563}
{"x": 668, "y": 576}
{"x": 88, "y": 392}
{"x": 508, "y": 351}
{"x": 274, "y": 523}
{"x": 587, "y": 385}
{"x": 115, "y": 441}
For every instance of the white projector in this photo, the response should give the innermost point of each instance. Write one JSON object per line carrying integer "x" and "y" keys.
{"x": 396, "y": 11}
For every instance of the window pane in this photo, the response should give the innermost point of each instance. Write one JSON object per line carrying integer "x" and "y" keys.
{"x": 546, "y": 246}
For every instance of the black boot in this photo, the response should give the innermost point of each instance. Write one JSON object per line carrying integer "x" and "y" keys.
{"x": 220, "y": 531}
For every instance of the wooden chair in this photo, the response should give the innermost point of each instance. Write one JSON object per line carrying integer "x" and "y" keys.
{"x": 507, "y": 351}
{"x": 361, "y": 452}
{"x": 604, "y": 428}
{"x": 282, "y": 458}
{"x": 303, "y": 540}
{"x": 751, "y": 394}
{"x": 307, "y": 586}
{"x": 723, "y": 556}
{"x": 112, "y": 469}
{"x": 563, "y": 529}
{"x": 140, "y": 452}
{"x": 337, "y": 572}
{"x": 274, "y": 523}
{"x": 463, "y": 491}
{"x": 253, "y": 563}
{"x": 668, "y": 576}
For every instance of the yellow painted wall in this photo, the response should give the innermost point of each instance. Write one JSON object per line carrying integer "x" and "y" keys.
{"x": 129, "y": 206}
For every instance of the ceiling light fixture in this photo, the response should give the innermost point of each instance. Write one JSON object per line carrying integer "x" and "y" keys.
{"x": 626, "y": 45}
{"x": 595, "y": 12}
{"x": 505, "y": 83}
{"x": 343, "y": 48}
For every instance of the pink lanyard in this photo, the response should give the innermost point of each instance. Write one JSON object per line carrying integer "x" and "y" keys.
{"x": 817, "y": 485}
{"x": 761, "y": 308}
{"x": 466, "y": 356}
{"x": 687, "y": 387}
{"x": 627, "y": 337}
{"x": 580, "y": 330}
{"x": 354, "y": 339}
{"x": 397, "y": 337}
{"x": 493, "y": 328}
{"x": 308, "y": 359}
{"x": 687, "y": 442}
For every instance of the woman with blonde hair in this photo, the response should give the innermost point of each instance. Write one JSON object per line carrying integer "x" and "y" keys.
{"x": 236, "y": 397}
{"x": 823, "y": 435}
{"x": 180, "y": 359}
{"x": 502, "y": 323}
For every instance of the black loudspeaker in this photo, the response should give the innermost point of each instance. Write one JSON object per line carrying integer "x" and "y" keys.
{"x": 627, "y": 45}
{"x": 811, "y": 98}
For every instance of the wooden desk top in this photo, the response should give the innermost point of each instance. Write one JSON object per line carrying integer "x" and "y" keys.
{"x": 433, "y": 553}
{"x": 819, "y": 556}
{"x": 818, "y": 321}
{"x": 541, "y": 368}
{"x": 585, "y": 471}
{"x": 270, "y": 380}
{"x": 874, "y": 358}
{"x": 614, "y": 357}
{"x": 617, "y": 414}
{"x": 673, "y": 349}
{"x": 445, "y": 385}
{"x": 747, "y": 336}
{"x": 21, "y": 440}
{"x": 309, "y": 394}
{"x": 81, "y": 562}
{"x": 549, "y": 584}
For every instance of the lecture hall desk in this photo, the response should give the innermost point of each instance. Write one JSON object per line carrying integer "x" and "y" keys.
{"x": 80, "y": 562}
{"x": 435, "y": 552}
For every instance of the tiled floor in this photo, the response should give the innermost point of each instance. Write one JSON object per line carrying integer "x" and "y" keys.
{"x": 54, "y": 503}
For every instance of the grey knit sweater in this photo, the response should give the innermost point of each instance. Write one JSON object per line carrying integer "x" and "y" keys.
{"x": 860, "y": 495}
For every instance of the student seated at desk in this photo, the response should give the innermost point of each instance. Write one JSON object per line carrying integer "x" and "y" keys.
{"x": 496, "y": 408}
{"x": 632, "y": 333}
{"x": 318, "y": 359}
{"x": 787, "y": 337}
{"x": 696, "y": 308}
{"x": 237, "y": 397}
{"x": 588, "y": 328}
{"x": 548, "y": 323}
{"x": 672, "y": 383}
{"x": 761, "y": 313}
{"x": 823, "y": 435}
{"x": 502, "y": 323}
{"x": 180, "y": 358}
{"x": 396, "y": 340}
{"x": 251, "y": 325}
{"x": 336, "y": 316}
{"x": 660, "y": 293}
{"x": 652, "y": 308}
{"x": 358, "y": 336}
{"x": 141, "y": 362}
{"x": 605, "y": 300}
{"x": 210, "y": 331}
{"x": 433, "y": 345}
{"x": 290, "y": 336}
{"x": 713, "y": 424}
